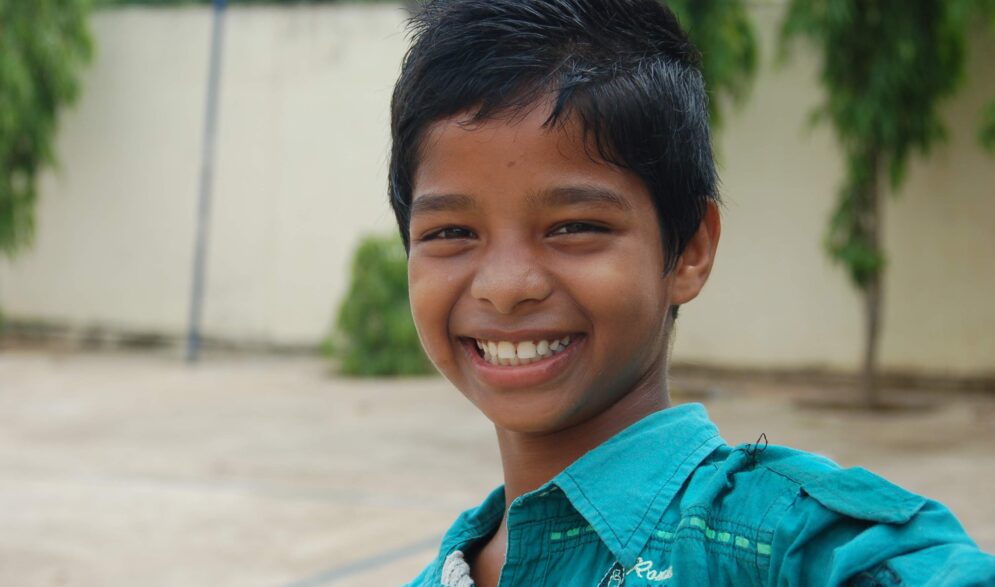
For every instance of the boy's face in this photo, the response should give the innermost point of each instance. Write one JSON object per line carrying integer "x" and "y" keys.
{"x": 526, "y": 243}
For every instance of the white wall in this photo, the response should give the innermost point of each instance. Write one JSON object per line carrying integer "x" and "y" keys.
{"x": 300, "y": 172}
{"x": 300, "y": 176}
{"x": 776, "y": 300}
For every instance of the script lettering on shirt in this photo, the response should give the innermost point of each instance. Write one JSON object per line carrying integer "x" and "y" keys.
{"x": 644, "y": 570}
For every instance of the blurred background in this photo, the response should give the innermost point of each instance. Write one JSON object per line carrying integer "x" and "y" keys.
{"x": 208, "y": 374}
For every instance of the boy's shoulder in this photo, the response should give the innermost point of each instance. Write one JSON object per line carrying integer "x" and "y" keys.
{"x": 802, "y": 517}
{"x": 763, "y": 483}
{"x": 669, "y": 495}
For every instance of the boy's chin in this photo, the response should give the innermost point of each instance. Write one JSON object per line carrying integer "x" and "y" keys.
{"x": 528, "y": 418}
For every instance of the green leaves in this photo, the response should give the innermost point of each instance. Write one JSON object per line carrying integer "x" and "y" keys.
{"x": 231, "y": 2}
{"x": 851, "y": 238}
{"x": 886, "y": 67}
{"x": 375, "y": 334}
{"x": 987, "y": 133}
{"x": 43, "y": 45}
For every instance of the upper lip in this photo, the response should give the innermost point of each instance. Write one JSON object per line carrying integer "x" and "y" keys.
{"x": 489, "y": 334}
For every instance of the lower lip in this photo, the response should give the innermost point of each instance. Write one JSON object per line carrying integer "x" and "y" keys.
{"x": 519, "y": 376}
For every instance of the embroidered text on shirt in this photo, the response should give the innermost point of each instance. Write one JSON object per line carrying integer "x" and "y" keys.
{"x": 644, "y": 570}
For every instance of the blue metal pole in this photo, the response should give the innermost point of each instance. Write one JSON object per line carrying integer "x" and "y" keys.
{"x": 206, "y": 183}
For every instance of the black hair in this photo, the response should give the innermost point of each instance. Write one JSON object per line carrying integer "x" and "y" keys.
{"x": 623, "y": 68}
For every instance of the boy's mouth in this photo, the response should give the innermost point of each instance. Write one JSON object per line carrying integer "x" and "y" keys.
{"x": 526, "y": 362}
{"x": 508, "y": 353}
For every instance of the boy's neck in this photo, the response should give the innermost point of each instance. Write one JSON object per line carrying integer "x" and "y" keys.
{"x": 531, "y": 460}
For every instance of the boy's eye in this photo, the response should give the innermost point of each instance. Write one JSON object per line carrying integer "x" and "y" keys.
{"x": 448, "y": 233}
{"x": 577, "y": 227}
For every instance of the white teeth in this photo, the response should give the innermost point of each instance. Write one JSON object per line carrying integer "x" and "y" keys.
{"x": 527, "y": 351}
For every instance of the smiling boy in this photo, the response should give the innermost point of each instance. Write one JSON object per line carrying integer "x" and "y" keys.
{"x": 553, "y": 183}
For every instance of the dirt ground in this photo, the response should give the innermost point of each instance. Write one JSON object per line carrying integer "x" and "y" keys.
{"x": 124, "y": 469}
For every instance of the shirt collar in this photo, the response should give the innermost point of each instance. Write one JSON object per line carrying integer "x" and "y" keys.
{"x": 476, "y": 523}
{"x": 623, "y": 486}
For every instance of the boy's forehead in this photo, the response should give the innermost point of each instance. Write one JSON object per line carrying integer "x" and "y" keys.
{"x": 504, "y": 145}
{"x": 468, "y": 127}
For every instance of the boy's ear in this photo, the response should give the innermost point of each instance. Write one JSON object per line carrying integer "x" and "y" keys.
{"x": 695, "y": 263}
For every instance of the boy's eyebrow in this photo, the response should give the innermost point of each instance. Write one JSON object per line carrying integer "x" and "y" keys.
{"x": 551, "y": 198}
{"x": 428, "y": 203}
{"x": 579, "y": 194}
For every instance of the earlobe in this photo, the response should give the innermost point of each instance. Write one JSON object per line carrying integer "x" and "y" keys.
{"x": 695, "y": 263}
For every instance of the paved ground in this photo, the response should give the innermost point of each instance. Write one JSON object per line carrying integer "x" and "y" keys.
{"x": 126, "y": 469}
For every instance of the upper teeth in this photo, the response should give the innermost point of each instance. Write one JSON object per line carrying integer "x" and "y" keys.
{"x": 504, "y": 352}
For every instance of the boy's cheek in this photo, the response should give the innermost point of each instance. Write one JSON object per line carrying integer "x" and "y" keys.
{"x": 420, "y": 296}
{"x": 430, "y": 311}
{"x": 611, "y": 284}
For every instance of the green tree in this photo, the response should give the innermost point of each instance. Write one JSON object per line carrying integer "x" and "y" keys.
{"x": 886, "y": 67}
{"x": 987, "y": 131}
{"x": 43, "y": 44}
{"x": 375, "y": 334}
{"x": 236, "y": 2}
{"x": 724, "y": 35}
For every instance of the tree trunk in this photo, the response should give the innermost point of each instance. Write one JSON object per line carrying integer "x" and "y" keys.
{"x": 872, "y": 319}
{"x": 873, "y": 300}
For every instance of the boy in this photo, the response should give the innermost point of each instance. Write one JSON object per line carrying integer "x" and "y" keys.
{"x": 553, "y": 182}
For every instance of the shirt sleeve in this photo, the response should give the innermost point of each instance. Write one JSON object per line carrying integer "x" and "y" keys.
{"x": 851, "y": 527}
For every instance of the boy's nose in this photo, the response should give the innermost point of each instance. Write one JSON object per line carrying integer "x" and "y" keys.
{"x": 508, "y": 278}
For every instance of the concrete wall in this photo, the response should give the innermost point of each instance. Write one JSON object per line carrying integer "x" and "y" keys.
{"x": 775, "y": 299}
{"x": 300, "y": 172}
{"x": 300, "y": 176}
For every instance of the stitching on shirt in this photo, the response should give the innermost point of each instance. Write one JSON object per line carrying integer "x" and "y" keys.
{"x": 604, "y": 520}
{"x": 574, "y": 543}
{"x": 513, "y": 554}
{"x": 642, "y": 518}
{"x": 764, "y": 563}
{"x": 666, "y": 484}
{"x": 773, "y": 502}
{"x": 754, "y": 545}
{"x": 716, "y": 535}
{"x": 691, "y": 535}
{"x": 480, "y": 527}
{"x": 570, "y": 533}
{"x": 563, "y": 524}
{"x": 881, "y": 492}
{"x": 877, "y": 491}
{"x": 741, "y": 546}
{"x": 546, "y": 559}
{"x": 797, "y": 482}
{"x": 738, "y": 526}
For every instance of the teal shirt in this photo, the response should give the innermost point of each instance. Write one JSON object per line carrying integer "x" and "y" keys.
{"x": 667, "y": 502}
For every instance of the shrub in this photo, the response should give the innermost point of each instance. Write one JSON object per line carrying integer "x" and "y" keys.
{"x": 374, "y": 332}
